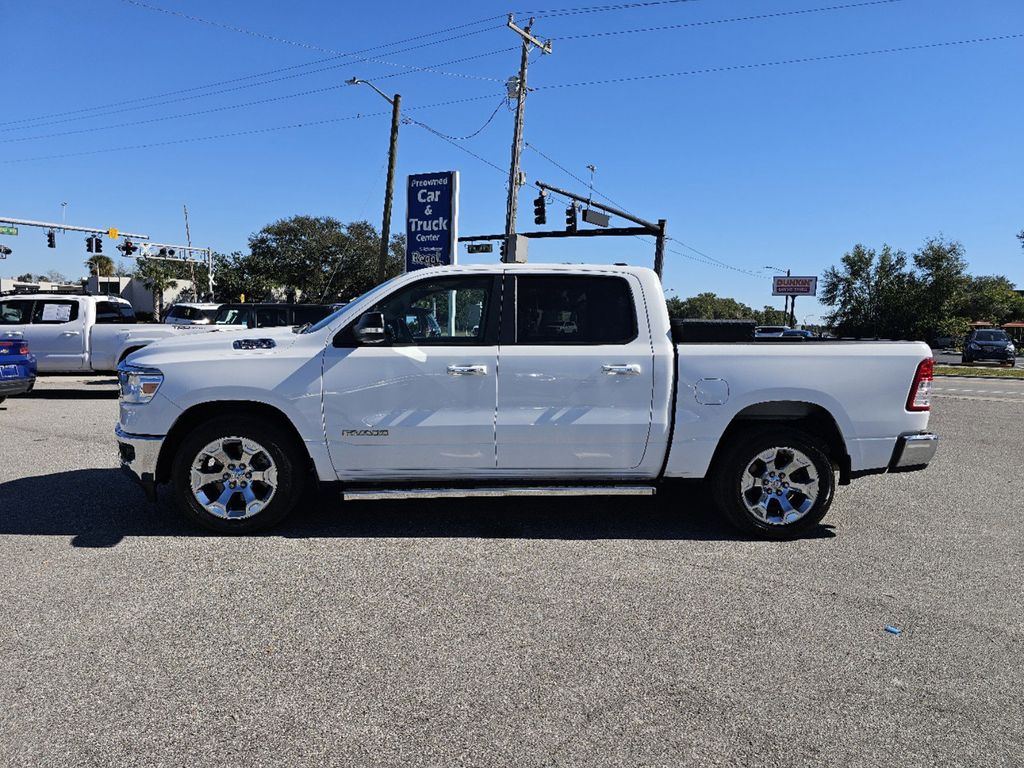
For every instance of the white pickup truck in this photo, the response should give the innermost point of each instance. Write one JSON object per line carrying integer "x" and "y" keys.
{"x": 515, "y": 381}
{"x": 69, "y": 333}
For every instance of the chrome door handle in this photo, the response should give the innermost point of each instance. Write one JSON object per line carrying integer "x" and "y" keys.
{"x": 467, "y": 370}
{"x": 628, "y": 369}
{"x": 71, "y": 333}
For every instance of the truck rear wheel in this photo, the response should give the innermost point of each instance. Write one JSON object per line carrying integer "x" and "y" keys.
{"x": 773, "y": 482}
{"x": 236, "y": 474}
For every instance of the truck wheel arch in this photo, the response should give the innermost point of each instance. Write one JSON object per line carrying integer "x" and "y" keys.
{"x": 810, "y": 418}
{"x": 127, "y": 352}
{"x": 198, "y": 414}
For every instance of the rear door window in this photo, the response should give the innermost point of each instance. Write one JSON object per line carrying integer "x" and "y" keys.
{"x": 16, "y": 311}
{"x": 50, "y": 312}
{"x": 573, "y": 309}
{"x": 126, "y": 312}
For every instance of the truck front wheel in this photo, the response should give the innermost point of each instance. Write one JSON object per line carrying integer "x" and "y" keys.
{"x": 773, "y": 482}
{"x": 236, "y": 474}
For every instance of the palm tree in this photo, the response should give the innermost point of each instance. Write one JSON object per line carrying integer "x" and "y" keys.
{"x": 100, "y": 265}
{"x": 157, "y": 278}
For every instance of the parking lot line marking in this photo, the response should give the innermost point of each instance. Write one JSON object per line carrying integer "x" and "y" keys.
{"x": 974, "y": 397}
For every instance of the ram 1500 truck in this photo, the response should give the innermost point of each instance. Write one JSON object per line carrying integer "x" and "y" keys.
{"x": 516, "y": 380}
{"x": 70, "y": 333}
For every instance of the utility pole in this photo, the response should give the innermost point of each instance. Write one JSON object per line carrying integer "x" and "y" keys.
{"x": 389, "y": 190}
{"x": 515, "y": 174}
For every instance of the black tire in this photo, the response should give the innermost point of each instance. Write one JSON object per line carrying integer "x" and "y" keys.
{"x": 965, "y": 360}
{"x": 730, "y": 475}
{"x": 279, "y": 446}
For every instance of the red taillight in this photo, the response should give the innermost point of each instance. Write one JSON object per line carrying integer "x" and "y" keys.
{"x": 921, "y": 390}
{"x": 13, "y": 348}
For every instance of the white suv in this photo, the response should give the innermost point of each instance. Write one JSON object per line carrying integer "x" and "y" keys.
{"x": 187, "y": 313}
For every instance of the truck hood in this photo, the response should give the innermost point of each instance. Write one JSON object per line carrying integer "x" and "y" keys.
{"x": 212, "y": 345}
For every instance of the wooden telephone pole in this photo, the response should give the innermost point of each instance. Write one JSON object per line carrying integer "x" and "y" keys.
{"x": 515, "y": 180}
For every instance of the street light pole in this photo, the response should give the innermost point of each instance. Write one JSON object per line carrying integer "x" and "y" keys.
{"x": 385, "y": 227}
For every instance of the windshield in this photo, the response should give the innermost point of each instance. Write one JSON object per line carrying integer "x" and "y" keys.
{"x": 232, "y": 316}
{"x": 334, "y": 315}
{"x": 991, "y": 336}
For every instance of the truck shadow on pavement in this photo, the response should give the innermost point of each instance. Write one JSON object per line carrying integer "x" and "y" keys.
{"x": 70, "y": 394}
{"x": 101, "y": 507}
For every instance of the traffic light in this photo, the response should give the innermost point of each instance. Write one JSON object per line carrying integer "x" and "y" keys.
{"x": 99, "y": 243}
{"x": 503, "y": 248}
{"x": 540, "y": 214}
{"x": 90, "y": 244}
{"x": 51, "y": 239}
{"x": 5, "y": 251}
{"x": 128, "y": 248}
{"x": 570, "y": 218}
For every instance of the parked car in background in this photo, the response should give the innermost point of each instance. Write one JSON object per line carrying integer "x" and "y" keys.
{"x": 68, "y": 334}
{"x": 770, "y": 331}
{"x": 989, "y": 344}
{"x": 17, "y": 365}
{"x": 188, "y": 313}
{"x": 271, "y": 315}
{"x": 797, "y": 333}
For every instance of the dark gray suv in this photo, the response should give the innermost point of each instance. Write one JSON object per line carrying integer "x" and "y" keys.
{"x": 989, "y": 344}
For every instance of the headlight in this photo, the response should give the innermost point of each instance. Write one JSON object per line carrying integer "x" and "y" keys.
{"x": 138, "y": 385}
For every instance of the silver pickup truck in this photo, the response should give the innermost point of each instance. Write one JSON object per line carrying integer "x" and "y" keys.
{"x": 81, "y": 333}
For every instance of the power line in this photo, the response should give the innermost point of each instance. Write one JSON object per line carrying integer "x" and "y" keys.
{"x": 454, "y": 142}
{"x": 196, "y": 113}
{"x": 478, "y": 131}
{"x": 765, "y": 64}
{"x": 123, "y": 110}
{"x": 548, "y": 13}
{"x": 253, "y": 131}
{"x": 258, "y": 75}
{"x": 754, "y": 17}
{"x": 275, "y": 39}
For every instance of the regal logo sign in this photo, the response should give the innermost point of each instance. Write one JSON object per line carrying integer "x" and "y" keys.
{"x": 794, "y": 286}
{"x": 431, "y": 221}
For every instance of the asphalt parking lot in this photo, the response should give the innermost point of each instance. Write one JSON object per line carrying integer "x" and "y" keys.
{"x": 546, "y": 632}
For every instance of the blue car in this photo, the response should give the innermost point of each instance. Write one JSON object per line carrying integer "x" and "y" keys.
{"x": 17, "y": 366}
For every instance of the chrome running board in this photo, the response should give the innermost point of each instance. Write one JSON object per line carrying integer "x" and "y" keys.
{"x": 381, "y": 494}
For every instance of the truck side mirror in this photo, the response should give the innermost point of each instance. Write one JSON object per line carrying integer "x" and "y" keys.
{"x": 370, "y": 328}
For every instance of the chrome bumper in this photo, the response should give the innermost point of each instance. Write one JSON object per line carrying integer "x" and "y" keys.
{"x": 138, "y": 455}
{"x": 913, "y": 451}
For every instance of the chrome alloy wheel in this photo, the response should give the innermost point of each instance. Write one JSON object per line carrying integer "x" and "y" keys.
{"x": 234, "y": 478}
{"x": 780, "y": 486}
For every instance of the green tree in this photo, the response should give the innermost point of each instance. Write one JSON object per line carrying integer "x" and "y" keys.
{"x": 709, "y": 306}
{"x": 941, "y": 283}
{"x": 101, "y": 265}
{"x": 318, "y": 258}
{"x": 158, "y": 276}
{"x": 771, "y": 316}
{"x": 873, "y": 294}
{"x": 991, "y": 298}
{"x": 26, "y": 278}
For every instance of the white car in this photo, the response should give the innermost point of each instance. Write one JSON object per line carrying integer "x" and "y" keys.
{"x": 504, "y": 404}
{"x": 770, "y": 331}
{"x": 190, "y": 313}
{"x": 73, "y": 333}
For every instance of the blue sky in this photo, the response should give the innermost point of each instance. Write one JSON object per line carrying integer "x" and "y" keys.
{"x": 787, "y": 165}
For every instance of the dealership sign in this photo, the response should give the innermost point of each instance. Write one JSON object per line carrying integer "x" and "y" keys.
{"x": 794, "y": 286}
{"x": 431, "y": 220}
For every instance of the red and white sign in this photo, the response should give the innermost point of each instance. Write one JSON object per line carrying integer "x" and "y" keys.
{"x": 794, "y": 286}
